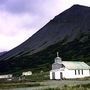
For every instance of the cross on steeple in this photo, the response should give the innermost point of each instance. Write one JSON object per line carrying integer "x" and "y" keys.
{"x": 57, "y": 54}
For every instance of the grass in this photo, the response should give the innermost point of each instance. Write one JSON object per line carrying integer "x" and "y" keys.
{"x": 39, "y": 77}
{"x": 11, "y": 85}
{"x": 18, "y": 85}
{"x": 35, "y": 80}
{"x": 77, "y": 87}
{"x": 29, "y": 81}
{"x": 51, "y": 89}
{"x": 83, "y": 85}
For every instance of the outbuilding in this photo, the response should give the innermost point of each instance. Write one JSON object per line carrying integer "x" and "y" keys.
{"x": 6, "y": 76}
{"x": 69, "y": 69}
{"x": 28, "y": 73}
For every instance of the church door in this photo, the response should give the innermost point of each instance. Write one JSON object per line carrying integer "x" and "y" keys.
{"x": 53, "y": 75}
{"x": 61, "y": 75}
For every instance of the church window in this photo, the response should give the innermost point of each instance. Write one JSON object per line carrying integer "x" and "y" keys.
{"x": 75, "y": 72}
{"x": 82, "y": 72}
{"x": 79, "y": 72}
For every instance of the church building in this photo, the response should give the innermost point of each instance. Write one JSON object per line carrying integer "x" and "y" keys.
{"x": 69, "y": 69}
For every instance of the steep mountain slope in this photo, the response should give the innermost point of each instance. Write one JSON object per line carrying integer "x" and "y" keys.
{"x": 68, "y": 33}
{"x": 1, "y": 53}
{"x": 68, "y": 23}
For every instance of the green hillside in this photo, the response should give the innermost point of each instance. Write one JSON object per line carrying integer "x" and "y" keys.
{"x": 76, "y": 50}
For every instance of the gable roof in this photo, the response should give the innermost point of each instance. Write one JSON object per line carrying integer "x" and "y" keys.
{"x": 75, "y": 65}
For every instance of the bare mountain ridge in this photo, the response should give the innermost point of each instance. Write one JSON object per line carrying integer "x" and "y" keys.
{"x": 1, "y": 53}
{"x": 67, "y": 24}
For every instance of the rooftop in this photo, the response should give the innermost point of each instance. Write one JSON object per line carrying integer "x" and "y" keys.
{"x": 75, "y": 65}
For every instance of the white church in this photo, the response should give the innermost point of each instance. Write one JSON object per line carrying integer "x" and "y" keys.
{"x": 69, "y": 69}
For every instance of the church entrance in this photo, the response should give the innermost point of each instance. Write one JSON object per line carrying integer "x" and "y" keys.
{"x": 53, "y": 75}
{"x": 61, "y": 75}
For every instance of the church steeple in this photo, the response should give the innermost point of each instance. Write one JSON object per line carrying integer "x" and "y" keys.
{"x": 58, "y": 59}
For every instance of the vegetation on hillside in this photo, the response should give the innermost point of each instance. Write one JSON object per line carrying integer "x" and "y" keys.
{"x": 76, "y": 50}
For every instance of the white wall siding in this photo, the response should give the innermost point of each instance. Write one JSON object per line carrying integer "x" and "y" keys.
{"x": 69, "y": 74}
{"x": 5, "y": 76}
{"x": 50, "y": 75}
{"x": 57, "y": 75}
{"x": 86, "y": 73}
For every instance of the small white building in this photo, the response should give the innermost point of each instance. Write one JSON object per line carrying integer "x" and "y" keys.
{"x": 69, "y": 69}
{"x": 28, "y": 73}
{"x": 7, "y": 76}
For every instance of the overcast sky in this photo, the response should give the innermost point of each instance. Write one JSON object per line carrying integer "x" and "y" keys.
{"x": 19, "y": 19}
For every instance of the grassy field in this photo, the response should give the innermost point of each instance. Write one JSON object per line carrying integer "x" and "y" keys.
{"x": 18, "y": 85}
{"x": 48, "y": 85}
{"x": 38, "y": 77}
{"x": 28, "y": 81}
{"x": 77, "y": 87}
{"x": 40, "y": 81}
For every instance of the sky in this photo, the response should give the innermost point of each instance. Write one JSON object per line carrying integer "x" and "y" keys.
{"x": 20, "y": 19}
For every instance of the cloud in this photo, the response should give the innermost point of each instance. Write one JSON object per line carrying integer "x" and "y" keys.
{"x": 30, "y": 6}
{"x": 10, "y": 24}
{"x": 38, "y": 6}
{"x": 12, "y": 30}
{"x": 20, "y": 6}
{"x": 9, "y": 42}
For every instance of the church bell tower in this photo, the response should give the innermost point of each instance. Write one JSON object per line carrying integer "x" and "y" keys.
{"x": 58, "y": 59}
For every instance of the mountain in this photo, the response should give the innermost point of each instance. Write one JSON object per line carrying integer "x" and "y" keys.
{"x": 68, "y": 33}
{"x": 1, "y": 53}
